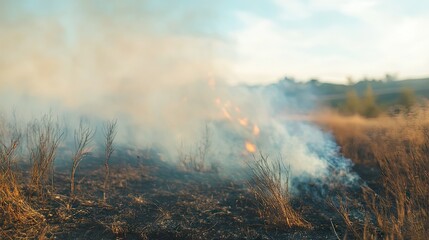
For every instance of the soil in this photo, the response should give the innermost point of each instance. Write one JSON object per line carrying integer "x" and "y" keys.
{"x": 149, "y": 198}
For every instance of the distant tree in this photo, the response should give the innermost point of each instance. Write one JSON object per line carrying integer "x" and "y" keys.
{"x": 350, "y": 81}
{"x": 370, "y": 108}
{"x": 352, "y": 104}
{"x": 365, "y": 79}
{"x": 390, "y": 77}
{"x": 407, "y": 98}
{"x": 314, "y": 82}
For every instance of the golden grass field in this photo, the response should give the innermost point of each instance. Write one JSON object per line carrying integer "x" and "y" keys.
{"x": 398, "y": 148}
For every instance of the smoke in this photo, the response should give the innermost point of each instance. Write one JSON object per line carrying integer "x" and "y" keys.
{"x": 280, "y": 113}
{"x": 116, "y": 60}
{"x": 163, "y": 79}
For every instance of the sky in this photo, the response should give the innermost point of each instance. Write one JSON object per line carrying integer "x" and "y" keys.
{"x": 58, "y": 43}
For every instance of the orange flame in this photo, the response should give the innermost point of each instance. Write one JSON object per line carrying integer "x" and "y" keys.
{"x": 227, "y": 109}
{"x": 250, "y": 147}
{"x": 243, "y": 121}
{"x": 255, "y": 130}
{"x": 226, "y": 113}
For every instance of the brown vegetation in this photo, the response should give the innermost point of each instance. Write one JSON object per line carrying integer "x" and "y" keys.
{"x": 16, "y": 214}
{"x": 195, "y": 158}
{"x": 109, "y": 137}
{"x": 82, "y": 137}
{"x": 270, "y": 185}
{"x": 43, "y": 138}
{"x": 152, "y": 199}
{"x": 399, "y": 148}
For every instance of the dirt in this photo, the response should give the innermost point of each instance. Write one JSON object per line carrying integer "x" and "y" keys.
{"x": 152, "y": 199}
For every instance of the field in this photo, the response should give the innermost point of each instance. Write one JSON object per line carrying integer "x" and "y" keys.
{"x": 129, "y": 193}
{"x": 392, "y": 155}
{"x": 278, "y": 119}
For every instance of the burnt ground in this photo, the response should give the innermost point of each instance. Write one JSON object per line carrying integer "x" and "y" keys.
{"x": 152, "y": 199}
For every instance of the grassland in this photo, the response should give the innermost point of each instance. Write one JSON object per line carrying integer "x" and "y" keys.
{"x": 392, "y": 155}
{"x": 129, "y": 193}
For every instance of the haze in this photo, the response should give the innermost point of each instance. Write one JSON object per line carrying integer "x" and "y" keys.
{"x": 63, "y": 44}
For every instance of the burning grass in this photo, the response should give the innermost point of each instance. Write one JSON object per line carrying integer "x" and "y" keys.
{"x": 398, "y": 205}
{"x": 270, "y": 185}
{"x": 148, "y": 200}
{"x": 155, "y": 199}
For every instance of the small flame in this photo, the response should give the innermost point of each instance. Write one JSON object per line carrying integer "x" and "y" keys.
{"x": 243, "y": 121}
{"x": 218, "y": 101}
{"x": 255, "y": 130}
{"x": 250, "y": 147}
{"x": 226, "y": 113}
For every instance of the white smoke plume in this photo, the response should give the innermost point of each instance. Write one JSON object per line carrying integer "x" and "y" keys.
{"x": 162, "y": 87}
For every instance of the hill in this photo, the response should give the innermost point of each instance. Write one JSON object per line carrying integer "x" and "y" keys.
{"x": 386, "y": 92}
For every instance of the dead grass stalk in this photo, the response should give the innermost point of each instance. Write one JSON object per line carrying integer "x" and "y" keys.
{"x": 43, "y": 138}
{"x": 109, "y": 136}
{"x": 18, "y": 216}
{"x": 270, "y": 185}
{"x": 82, "y": 137}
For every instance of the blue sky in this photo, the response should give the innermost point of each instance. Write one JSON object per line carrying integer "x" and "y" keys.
{"x": 242, "y": 41}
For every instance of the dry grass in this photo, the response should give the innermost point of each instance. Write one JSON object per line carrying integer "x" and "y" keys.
{"x": 109, "y": 134}
{"x": 118, "y": 227}
{"x": 16, "y": 214}
{"x": 43, "y": 138}
{"x": 270, "y": 185}
{"x": 83, "y": 137}
{"x": 399, "y": 147}
{"x": 195, "y": 159}
{"x": 352, "y": 133}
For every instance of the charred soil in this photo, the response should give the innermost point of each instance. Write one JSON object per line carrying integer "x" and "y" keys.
{"x": 151, "y": 199}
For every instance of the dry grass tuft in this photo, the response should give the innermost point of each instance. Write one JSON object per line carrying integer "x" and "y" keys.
{"x": 119, "y": 228}
{"x": 83, "y": 137}
{"x": 270, "y": 185}
{"x": 196, "y": 158}
{"x": 109, "y": 134}
{"x": 43, "y": 138}
{"x": 139, "y": 200}
{"x": 16, "y": 214}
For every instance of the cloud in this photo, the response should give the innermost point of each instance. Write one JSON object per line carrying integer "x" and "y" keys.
{"x": 330, "y": 39}
{"x": 378, "y": 41}
{"x": 296, "y": 9}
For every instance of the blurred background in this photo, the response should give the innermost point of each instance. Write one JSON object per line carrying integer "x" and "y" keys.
{"x": 354, "y": 55}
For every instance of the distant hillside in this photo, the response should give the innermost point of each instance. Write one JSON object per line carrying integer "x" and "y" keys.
{"x": 304, "y": 95}
{"x": 386, "y": 92}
